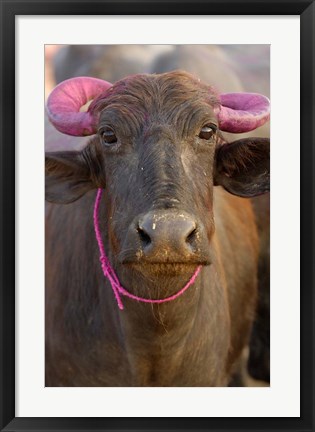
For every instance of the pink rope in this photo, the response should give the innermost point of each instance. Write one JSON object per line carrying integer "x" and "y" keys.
{"x": 109, "y": 272}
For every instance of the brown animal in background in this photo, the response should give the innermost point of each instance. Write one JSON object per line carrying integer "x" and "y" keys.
{"x": 169, "y": 205}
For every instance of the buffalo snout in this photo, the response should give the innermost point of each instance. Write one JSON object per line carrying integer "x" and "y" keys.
{"x": 162, "y": 236}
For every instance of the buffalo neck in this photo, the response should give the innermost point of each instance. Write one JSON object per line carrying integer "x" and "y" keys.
{"x": 162, "y": 341}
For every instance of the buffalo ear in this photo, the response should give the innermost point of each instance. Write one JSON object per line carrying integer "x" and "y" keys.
{"x": 67, "y": 176}
{"x": 243, "y": 167}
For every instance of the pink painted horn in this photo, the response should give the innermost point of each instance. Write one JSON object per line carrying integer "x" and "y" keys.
{"x": 64, "y": 105}
{"x": 243, "y": 112}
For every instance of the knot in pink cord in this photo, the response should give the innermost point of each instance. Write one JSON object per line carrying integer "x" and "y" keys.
{"x": 110, "y": 274}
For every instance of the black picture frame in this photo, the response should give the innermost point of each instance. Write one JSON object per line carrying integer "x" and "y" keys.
{"x": 9, "y": 9}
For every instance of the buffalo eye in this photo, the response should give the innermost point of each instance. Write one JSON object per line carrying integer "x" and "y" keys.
{"x": 108, "y": 135}
{"x": 207, "y": 131}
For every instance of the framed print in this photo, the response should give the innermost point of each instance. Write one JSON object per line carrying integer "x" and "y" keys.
{"x": 145, "y": 294}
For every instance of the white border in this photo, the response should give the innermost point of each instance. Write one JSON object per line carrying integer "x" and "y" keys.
{"x": 282, "y": 399}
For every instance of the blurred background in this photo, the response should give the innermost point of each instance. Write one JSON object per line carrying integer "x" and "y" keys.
{"x": 228, "y": 68}
{"x": 249, "y": 64}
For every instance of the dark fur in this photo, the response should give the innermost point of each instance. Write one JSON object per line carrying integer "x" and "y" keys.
{"x": 159, "y": 164}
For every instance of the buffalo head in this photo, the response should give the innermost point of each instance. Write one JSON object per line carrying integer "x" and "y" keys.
{"x": 158, "y": 152}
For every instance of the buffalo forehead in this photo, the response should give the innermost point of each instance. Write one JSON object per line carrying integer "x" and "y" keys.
{"x": 167, "y": 98}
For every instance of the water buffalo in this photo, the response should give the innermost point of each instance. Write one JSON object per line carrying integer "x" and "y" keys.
{"x": 152, "y": 217}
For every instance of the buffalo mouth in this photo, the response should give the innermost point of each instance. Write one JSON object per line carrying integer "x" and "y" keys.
{"x": 171, "y": 269}
{"x": 168, "y": 268}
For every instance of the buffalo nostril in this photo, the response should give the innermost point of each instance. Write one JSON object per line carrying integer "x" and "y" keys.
{"x": 144, "y": 237}
{"x": 191, "y": 237}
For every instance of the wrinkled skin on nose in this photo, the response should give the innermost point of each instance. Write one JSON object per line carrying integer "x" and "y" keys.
{"x": 165, "y": 236}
